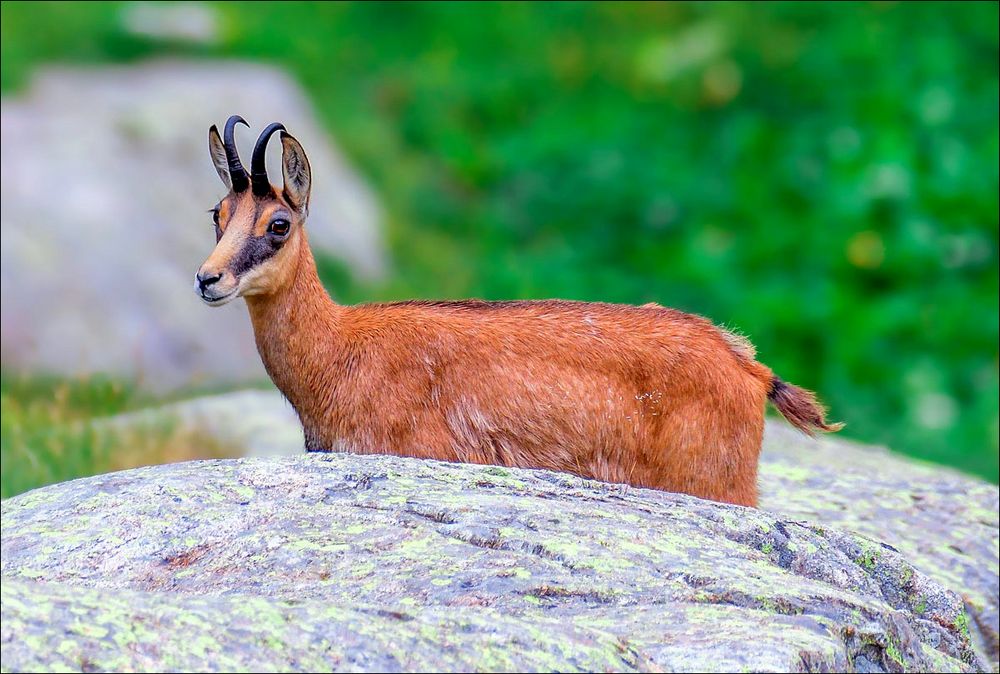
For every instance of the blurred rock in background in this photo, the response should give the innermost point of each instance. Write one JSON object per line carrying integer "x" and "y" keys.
{"x": 247, "y": 423}
{"x": 106, "y": 184}
{"x": 190, "y": 22}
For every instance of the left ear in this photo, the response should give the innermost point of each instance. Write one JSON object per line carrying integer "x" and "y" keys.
{"x": 296, "y": 172}
{"x": 218, "y": 153}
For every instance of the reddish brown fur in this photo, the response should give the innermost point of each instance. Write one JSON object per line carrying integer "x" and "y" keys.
{"x": 646, "y": 396}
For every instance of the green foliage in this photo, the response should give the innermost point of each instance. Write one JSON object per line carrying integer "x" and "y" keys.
{"x": 822, "y": 177}
{"x": 962, "y": 623}
{"x": 44, "y": 434}
{"x": 894, "y": 654}
{"x": 868, "y": 558}
{"x": 53, "y": 429}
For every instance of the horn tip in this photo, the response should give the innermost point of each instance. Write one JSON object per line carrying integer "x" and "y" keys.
{"x": 236, "y": 119}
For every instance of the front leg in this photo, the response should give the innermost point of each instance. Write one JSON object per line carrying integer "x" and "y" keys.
{"x": 313, "y": 443}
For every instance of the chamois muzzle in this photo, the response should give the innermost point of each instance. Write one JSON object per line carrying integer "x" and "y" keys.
{"x": 258, "y": 169}
{"x": 207, "y": 280}
{"x": 215, "y": 288}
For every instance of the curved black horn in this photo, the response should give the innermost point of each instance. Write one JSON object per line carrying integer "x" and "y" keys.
{"x": 237, "y": 173}
{"x": 258, "y": 170}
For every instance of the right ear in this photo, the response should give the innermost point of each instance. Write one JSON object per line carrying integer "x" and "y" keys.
{"x": 296, "y": 172}
{"x": 218, "y": 153}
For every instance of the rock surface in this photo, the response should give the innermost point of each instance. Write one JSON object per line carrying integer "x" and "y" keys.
{"x": 943, "y": 522}
{"x": 126, "y": 150}
{"x": 385, "y": 563}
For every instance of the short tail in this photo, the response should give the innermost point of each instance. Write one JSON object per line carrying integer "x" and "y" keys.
{"x": 800, "y": 407}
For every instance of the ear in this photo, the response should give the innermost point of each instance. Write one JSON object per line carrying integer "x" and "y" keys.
{"x": 296, "y": 172}
{"x": 218, "y": 153}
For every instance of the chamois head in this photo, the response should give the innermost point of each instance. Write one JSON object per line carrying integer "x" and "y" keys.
{"x": 258, "y": 228}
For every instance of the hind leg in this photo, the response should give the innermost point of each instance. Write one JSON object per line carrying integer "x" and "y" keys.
{"x": 711, "y": 450}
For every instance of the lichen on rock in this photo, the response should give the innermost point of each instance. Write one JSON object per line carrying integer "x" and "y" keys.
{"x": 385, "y": 563}
{"x": 943, "y": 522}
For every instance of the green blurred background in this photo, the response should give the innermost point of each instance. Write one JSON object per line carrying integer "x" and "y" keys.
{"x": 821, "y": 177}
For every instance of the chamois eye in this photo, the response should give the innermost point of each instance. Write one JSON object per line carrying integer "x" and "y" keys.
{"x": 215, "y": 216}
{"x": 279, "y": 227}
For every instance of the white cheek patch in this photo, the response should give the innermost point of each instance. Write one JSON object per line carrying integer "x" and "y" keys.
{"x": 253, "y": 281}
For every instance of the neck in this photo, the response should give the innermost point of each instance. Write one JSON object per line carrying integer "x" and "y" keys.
{"x": 288, "y": 322}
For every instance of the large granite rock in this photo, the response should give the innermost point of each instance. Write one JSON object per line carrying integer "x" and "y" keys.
{"x": 105, "y": 181}
{"x": 943, "y": 522}
{"x": 384, "y": 563}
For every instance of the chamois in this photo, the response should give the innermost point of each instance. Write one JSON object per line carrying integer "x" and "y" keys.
{"x": 643, "y": 395}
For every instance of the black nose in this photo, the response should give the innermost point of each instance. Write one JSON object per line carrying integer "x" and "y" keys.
{"x": 206, "y": 280}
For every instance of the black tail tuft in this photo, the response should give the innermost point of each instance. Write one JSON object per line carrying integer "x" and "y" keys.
{"x": 800, "y": 407}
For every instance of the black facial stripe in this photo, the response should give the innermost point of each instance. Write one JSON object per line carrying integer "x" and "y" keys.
{"x": 255, "y": 250}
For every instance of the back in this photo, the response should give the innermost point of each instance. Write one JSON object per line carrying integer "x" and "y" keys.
{"x": 614, "y": 333}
